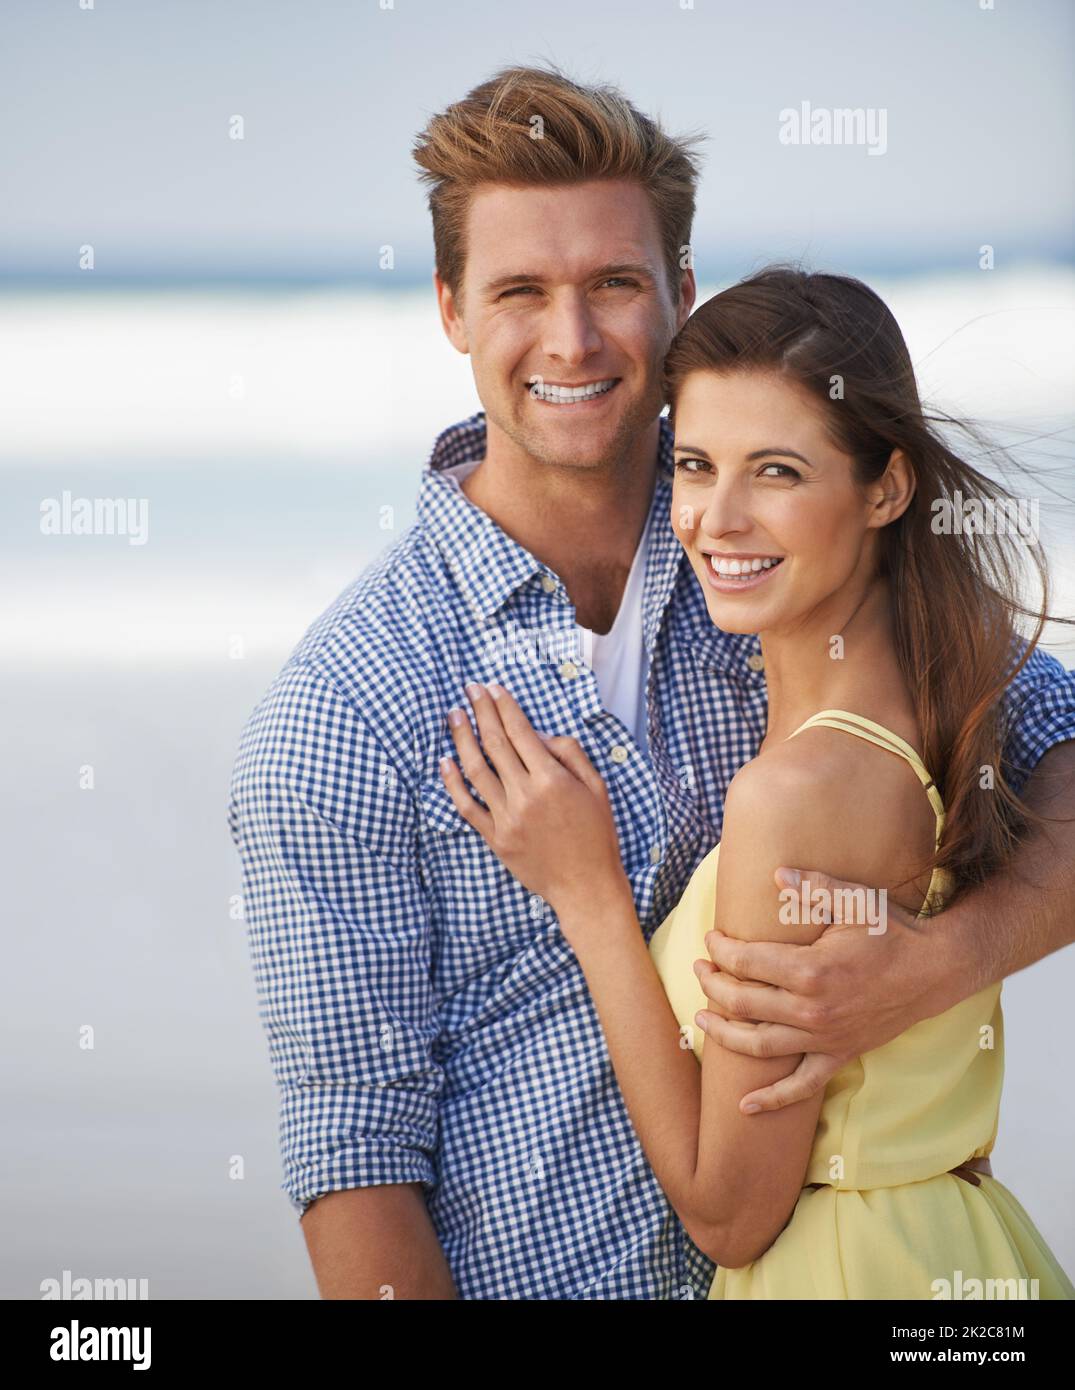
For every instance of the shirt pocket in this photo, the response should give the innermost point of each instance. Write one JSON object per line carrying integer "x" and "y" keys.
{"x": 439, "y": 813}
{"x": 473, "y": 895}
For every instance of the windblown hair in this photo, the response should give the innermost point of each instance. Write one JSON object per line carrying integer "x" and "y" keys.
{"x": 530, "y": 126}
{"x": 955, "y": 594}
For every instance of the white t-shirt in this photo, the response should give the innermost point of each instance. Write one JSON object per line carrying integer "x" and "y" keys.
{"x": 617, "y": 657}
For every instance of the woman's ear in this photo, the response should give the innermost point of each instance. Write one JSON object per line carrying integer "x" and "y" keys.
{"x": 891, "y": 494}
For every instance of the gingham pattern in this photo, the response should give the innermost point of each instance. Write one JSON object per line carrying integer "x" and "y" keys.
{"x": 427, "y": 1022}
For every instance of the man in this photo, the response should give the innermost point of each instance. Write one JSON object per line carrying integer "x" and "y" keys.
{"x": 451, "y": 1123}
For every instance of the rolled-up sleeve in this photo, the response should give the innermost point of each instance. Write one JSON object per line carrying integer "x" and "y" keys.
{"x": 1040, "y": 713}
{"x": 338, "y": 926}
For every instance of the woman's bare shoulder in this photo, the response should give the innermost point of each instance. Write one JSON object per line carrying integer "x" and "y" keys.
{"x": 837, "y": 803}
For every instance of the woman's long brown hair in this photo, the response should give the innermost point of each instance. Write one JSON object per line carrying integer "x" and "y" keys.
{"x": 956, "y": 595}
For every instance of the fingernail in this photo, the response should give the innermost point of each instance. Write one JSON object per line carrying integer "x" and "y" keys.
{"x": 700, "y": 1020}
{"x": 751, "y": 1109}
{"x": 494, "y": 690}
{"x": 474, "y": 690}
{"x": 455, "y": 717}
{"x": 445, "y": 764}
{"x": 792, "y": 877}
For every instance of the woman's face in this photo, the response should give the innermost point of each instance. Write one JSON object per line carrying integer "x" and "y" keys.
{"x": 765, "y": 505}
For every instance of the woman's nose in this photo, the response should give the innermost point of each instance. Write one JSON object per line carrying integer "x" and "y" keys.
{"x": 724, "y": 513}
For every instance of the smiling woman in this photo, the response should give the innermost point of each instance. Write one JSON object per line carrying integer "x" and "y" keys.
{"x": 804, "y": 503}
{"x": 810, "y": 450}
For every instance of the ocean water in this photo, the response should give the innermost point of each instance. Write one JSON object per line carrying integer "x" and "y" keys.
{"x": 270, "y": 445}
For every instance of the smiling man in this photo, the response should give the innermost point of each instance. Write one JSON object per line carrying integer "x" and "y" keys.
{"x": 566, "y": 333}
{"x": 451, "y": 1123}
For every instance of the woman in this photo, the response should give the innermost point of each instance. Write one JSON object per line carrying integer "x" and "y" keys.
{"x": 805, "y": 497}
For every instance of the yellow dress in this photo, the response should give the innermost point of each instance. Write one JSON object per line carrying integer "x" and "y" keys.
{"x": 889, "y": 1219}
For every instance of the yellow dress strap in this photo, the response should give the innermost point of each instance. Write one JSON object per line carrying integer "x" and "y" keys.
{"x": 861, "y": 727}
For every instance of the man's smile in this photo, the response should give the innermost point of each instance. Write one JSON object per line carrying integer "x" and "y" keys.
{"x": 557, "y": 394}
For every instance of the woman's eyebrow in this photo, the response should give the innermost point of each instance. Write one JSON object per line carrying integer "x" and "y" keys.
{"x": 695, "y": 452}
{"x": 789, "y": 453}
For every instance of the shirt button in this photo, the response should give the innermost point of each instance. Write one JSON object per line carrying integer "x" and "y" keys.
{"x": 756, "y": 662}
{"x": 569, "y": 670}
{"x": 537, "y": 906}
{"x": 655, "y": 854}
{"x": 548, "y": 583}
{"x": 618, "y": 753}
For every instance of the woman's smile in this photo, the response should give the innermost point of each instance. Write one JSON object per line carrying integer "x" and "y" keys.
{"x": 736, "y": 574}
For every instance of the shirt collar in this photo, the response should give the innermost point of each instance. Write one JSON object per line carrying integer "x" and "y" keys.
{"x": 488, "y": 566}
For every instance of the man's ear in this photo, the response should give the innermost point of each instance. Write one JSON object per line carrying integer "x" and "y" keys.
{"x": 688, "y": 291}
{"x": 449, "y": 315}
{"x": 891, "y": 494}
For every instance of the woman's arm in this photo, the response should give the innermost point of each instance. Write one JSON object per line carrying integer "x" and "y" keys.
{"x": 733, "y": 1179}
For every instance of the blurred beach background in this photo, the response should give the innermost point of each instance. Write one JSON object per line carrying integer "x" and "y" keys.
{"x": 255, "y": 357}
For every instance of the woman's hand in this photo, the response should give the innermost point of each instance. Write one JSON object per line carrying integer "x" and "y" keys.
{"x": 549, "y": 820}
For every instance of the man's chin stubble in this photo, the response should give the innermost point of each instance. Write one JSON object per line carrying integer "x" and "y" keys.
{"x": 619, "y": 444}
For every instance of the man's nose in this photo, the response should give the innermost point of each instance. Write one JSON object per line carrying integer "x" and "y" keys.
{"x": 569, "y": 332}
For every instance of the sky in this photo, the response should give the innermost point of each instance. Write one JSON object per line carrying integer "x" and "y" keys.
{"x": 115, "y": 129}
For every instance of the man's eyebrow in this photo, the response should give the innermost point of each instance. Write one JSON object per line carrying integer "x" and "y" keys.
{"x": 757, "y": 454}
{"x": 525, "y": 277}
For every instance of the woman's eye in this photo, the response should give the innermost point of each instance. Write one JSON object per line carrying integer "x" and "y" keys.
{"x": 685, "y": 464}
{"x": 782, "y": 470}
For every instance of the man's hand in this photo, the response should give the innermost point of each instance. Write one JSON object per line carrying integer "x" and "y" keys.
{"x": 851, "y": 991}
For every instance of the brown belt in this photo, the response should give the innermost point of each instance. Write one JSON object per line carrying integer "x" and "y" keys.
{"x": 968, "y": 1171}
{"x": 970, "y": 1167}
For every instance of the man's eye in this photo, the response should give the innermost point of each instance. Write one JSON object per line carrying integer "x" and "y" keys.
{"x": 615, "y": 280}
{"x": 518, "y": 289}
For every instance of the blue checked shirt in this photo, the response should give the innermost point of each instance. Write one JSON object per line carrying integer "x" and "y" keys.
{"x": 427, "y": 1021}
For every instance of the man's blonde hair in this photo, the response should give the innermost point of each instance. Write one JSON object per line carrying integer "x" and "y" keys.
{"x": 528, "y": 126}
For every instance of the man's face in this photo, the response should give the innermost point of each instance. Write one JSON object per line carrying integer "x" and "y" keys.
{"x": 566, "y": 311}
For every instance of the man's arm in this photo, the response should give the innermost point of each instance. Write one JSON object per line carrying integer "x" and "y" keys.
{"x": 339, "y": 935}
{"x": 1021, "y": 916}
{"x": 376, "y": 1243}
